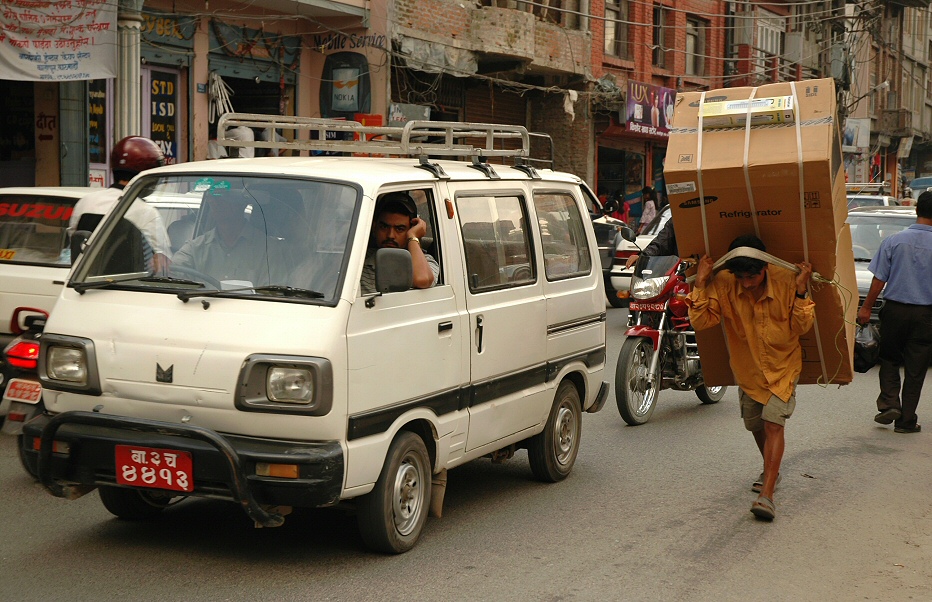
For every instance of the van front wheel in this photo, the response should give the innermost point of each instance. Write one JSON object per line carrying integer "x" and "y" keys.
{"x": 393, "y": 514}
{"x": 552, "y": 452}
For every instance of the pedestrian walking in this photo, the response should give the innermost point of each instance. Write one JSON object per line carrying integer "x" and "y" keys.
{"x": 764, "y": 310}
{"x": 901, "y": 269}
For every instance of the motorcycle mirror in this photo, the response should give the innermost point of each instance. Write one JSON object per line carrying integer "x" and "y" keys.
{"x": 628, "y": 234}
{"x": 77, "y": 243}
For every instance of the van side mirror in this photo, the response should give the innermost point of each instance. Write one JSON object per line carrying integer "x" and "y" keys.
{"x": 394, "y": 272}
{"x": 78, "y": 239}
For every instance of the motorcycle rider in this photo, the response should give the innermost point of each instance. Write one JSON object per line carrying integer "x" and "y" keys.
{"x": 663, "y": 244}
{"x": 129, "y": 156}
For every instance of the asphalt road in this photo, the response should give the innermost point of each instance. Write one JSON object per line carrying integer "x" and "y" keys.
{"x": 655, "y": 512}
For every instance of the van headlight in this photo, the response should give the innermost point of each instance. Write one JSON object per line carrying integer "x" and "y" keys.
{"x": 68, "y": 364}
{"x": 285, "y": 384}
{"x": 291, "y": 385}
{"x": 648, "y": 288}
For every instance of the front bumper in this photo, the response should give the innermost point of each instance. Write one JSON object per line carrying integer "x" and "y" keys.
{"x": 224, "y": 466}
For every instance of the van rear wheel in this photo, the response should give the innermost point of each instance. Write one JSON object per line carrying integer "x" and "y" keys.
{"x": 553, "y": 451}
{"x": 133, "y": 504}
{"x": 392, "y": 516}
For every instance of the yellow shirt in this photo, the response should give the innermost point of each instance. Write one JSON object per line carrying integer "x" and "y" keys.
{"x": 763, "y": 335}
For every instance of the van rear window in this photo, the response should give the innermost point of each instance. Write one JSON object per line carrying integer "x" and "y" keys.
{"x": 33, "y": 229}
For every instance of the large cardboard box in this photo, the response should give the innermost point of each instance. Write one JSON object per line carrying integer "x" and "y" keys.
{"x": 784, "y": 182}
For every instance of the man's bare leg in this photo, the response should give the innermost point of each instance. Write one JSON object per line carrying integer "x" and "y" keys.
{"x": 773, "y": 456}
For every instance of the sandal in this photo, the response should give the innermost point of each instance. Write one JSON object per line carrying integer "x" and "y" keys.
{"x": 759, "y": 483}
{"x": 763, "y": 508}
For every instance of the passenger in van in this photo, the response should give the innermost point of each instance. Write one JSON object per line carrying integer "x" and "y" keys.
{"x": 397, "y": 226}
{"x": 232, "y": 249}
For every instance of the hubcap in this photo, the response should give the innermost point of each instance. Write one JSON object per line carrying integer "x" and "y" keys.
{"x": 640, "y": 391}
{"x": 564, "y": 436}
{"x": 407, "y": 503}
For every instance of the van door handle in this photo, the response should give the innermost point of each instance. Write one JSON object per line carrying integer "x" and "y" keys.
{"x": 444, "y": 326}
{"x": 479, "y": 334}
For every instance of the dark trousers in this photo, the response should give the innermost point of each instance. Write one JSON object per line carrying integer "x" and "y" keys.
{"x": 905, "y": 340}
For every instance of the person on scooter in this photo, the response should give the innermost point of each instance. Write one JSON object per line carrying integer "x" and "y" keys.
{"x": 764, "y": 310}
{"x": 130, "y": 156}
{"x": 663, "y": 244}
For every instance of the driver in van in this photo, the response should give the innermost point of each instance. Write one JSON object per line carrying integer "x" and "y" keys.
{"x": 397, "y": 226}
{"x": 232, "y": 249}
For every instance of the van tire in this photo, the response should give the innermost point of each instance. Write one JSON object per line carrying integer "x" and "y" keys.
{"x": 552, "y": 452}
{"x": 133, "y": 504}
{"x": 392, "y": 516}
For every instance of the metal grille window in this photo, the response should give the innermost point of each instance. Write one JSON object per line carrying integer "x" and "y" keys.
{"x": 771, "y": 29}
{"x": 659, "y": 54}
{"x": 616, "y": 29}
{"x": 695, "y": 47}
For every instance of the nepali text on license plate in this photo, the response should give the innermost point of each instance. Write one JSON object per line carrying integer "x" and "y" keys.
{"x": 28, "y": 391}
{"x": 151, "y": 467}
{"x": 635, "y": 306}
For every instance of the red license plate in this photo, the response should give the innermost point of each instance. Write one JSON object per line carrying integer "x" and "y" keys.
{"x": 155, "y": 468}
{"x": 635, "y": 306}
{"x": 27, "y": 391}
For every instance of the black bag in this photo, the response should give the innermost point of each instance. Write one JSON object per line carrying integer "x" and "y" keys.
{"x": 866, "y": 347}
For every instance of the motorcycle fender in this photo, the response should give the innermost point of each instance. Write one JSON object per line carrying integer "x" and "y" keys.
{"x": 18, "y": 408}
{"x": 647, "y": 332}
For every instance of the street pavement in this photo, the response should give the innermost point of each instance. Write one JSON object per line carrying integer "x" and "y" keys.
{"x": 655, "y": 512}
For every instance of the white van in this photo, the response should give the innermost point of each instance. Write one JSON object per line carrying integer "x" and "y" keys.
{"x": 268, "y": 378}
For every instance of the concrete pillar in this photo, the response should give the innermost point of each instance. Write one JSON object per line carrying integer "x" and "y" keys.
{"x": 127, "y": 121}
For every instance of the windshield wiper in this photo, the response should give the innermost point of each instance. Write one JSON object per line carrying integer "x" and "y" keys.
{"x": 170, "y": 280}
{"x": 286, "y": 291}
{"x": 862, "y": 259}
{"x": 84, "y": 286}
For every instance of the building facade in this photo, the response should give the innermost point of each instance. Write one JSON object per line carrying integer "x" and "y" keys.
{"x": 599, "y": 77}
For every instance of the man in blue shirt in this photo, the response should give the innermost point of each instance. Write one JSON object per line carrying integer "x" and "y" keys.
{"x": 901, "y": 269}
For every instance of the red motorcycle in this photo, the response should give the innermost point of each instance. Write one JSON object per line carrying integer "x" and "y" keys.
{"x": 660, "y": 350}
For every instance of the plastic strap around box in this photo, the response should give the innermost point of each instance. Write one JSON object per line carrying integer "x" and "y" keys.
{"x": 747, "y": 171}
{"x": 802, "y": 222}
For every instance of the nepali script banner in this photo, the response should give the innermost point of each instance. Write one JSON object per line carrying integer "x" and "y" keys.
{"x": 58, "y": 40}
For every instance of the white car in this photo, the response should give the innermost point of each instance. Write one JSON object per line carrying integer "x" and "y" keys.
{"x": 869, "y": 226}
{"x": 621, "y": 277}
{"x": 34, "y": 254}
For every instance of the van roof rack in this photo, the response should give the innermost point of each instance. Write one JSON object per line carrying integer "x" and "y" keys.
{"x": 415, "y": 139}
{"x": 879, "y": 187}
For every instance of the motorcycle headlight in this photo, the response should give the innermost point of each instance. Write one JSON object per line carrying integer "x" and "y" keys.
{"x": 648, "y": 288}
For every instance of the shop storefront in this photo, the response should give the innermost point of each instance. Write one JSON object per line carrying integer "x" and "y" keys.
{"x": 632, "y": 146}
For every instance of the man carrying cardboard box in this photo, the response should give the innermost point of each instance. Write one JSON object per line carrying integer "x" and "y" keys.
{"x": 764, "y": 309}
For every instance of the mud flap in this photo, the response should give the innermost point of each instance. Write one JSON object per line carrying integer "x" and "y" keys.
{"x": 438, "y": 490}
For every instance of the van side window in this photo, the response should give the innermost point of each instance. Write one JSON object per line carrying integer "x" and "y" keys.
{"x": 566, "y": 248}
{"x": 496, "y": 242}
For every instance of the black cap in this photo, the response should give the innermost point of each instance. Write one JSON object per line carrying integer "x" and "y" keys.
{"x": 398, "y": 199}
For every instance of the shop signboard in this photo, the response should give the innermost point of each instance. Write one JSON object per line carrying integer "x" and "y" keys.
{"x": 163, "y": 102}
{"x": 58, "y": 40}
{"x": 649, "y": 109}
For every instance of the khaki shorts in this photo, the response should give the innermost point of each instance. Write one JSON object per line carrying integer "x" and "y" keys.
{"x": 755, "y": 413}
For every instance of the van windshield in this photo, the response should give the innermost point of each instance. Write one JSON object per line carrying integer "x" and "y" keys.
{"x": 263, "y": 237}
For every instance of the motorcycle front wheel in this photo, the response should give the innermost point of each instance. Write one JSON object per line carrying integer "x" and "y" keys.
{"x": 635, "y": 395}
{"x": 709, "y": 395}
